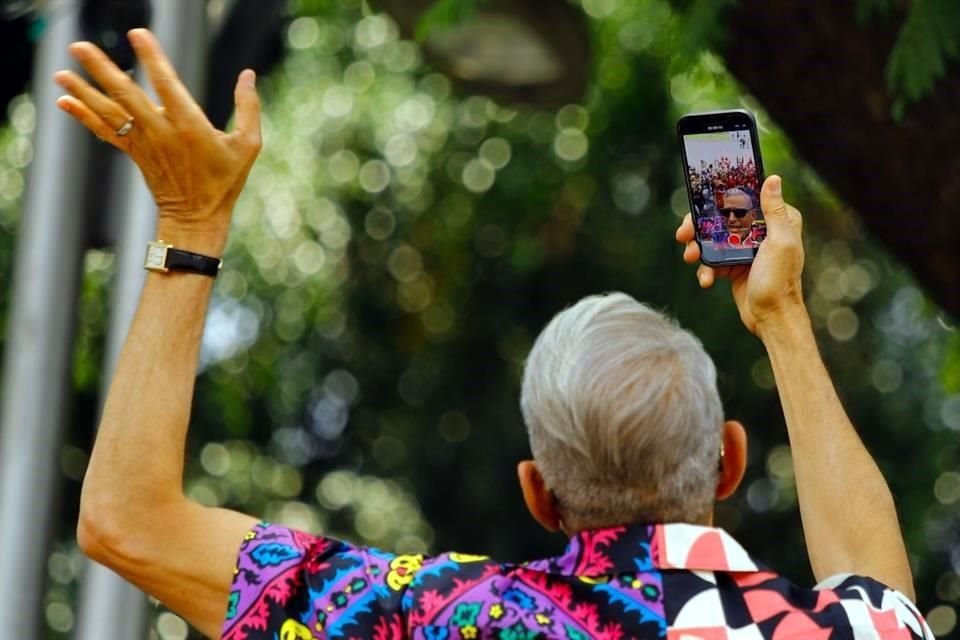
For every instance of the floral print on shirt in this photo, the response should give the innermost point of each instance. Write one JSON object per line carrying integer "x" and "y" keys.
{"x": 641, "y": 581}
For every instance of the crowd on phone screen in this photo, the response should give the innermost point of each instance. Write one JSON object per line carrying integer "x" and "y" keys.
{"x": 725, "y": 174}
{"x": 727, "y": 202}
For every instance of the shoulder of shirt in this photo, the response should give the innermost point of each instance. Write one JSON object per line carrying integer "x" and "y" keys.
{"x": 878, "y": 596}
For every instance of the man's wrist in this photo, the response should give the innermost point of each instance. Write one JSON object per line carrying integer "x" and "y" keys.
{"x": 785, "y": 326}
{"x": 206, "y": 240}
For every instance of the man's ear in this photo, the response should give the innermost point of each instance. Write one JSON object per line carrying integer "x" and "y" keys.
{"x": 733, "y": 461}
{"x": 540, "y": 502}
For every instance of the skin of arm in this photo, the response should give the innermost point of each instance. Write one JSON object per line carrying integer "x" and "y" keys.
{"x": 849, "y": 517}
{"x": 134, "y": 517}
{"x": 848, "y": 513}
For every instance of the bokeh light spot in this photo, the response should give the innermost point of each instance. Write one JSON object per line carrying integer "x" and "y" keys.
{"x": 415, "y": 113}
{"x": 762, "y": 495}
{"x": 950, "y": 412}
{"x": 360, "y": 76}
{"x": 571, "y": 145}
{"x": 380, "y": 223}
{"x": 60, "y": 617}
{"x": 942, "y": 620}
{"x": 215, "y": 459}
{"x": 631, "y": 192}
{"x": 344, "y": 166}
{"x": 337, "y": 101}
{"x": 573, "y": 116}
{"x": 947, "y": 487}
{"x": 335, "y": 490}
{"x": 303, "y": 33}
{"x": 439, "y": 318}
{"x": 843, "y": 323}
{"x": 478, "y": 175}
{"x": 405, "y": 263}
{"x": 496, "y": 152}
{"x": 887, "y": 376}
{"x": 172, "y": 627}
{"x": 401, "y": 150}
{"x": 309, "y": 257}
{"x": 600, "y": 8}
{"x": 374, "y": 176}
{"x": 414, "y": 296}
{"x": 61, "y": 568}
{"x": 401, "y": 56}
{"x": 636, "y": 35}
{"x": 372, "y": 31}
{"x": 23, "y": 115}
{"x": 762, "y": 374}
{"x": 780, "y": 463}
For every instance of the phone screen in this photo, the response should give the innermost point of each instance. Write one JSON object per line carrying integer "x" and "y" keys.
{"x": 724, "y": 174}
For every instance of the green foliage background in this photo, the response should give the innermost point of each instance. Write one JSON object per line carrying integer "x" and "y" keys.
{"x": 928, "y": 38}
{"x": 398, "y": 249}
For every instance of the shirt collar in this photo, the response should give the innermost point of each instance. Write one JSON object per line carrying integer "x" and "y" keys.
{"x": 647, "y": 547}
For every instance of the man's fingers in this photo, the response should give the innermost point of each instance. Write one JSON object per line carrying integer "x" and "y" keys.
{"x": 691, "y": 253}
{"x": 170, "y": 89}
{"x": 771, "y": 200}
{"x": 705, "y": 276}
{"x": 85, "y": 115}
{"x": 106, "y": 110}
{"x": 115, "y": 83}
{"x": 685, "y": 232}
{"x": 784, "y": 223}
{"x": 248, "y": 109}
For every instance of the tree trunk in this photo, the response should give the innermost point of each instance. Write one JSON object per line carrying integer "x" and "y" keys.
{"x": 821, "y": 76}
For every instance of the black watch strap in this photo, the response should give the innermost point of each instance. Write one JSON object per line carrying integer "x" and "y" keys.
{"x": 163, "y": 257}
{"x": 180, "y": 260}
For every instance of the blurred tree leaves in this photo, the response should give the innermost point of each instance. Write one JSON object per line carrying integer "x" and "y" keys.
{"x": 951, "y": 366}
{"x": 445, "y": 14}
{"x": 928, "y": 41}
{"x": 928, "y": 38}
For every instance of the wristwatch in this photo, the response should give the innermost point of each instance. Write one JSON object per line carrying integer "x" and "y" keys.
{"x": 164, "y": 258}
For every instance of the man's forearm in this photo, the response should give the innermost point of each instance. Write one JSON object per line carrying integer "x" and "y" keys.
{"x": 848, "y": 513}
{"x": 137, "y": 463}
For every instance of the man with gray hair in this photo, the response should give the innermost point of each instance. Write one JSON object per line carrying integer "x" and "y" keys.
{"x": 629, "y": 441}
{"x": 624, "y": 416}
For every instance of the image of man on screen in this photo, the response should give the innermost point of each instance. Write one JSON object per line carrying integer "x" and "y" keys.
{"x": 739, "y": 212}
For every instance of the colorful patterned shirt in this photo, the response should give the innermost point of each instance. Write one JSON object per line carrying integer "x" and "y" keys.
{"x": 674, "y": 581}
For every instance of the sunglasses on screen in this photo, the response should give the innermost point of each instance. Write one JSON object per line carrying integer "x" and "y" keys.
{"x": 739, "y": 213}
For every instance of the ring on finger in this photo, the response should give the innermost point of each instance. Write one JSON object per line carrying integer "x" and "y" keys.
{"x": 127, "y": 127}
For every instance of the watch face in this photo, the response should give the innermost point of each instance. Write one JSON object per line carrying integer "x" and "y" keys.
{"x": 156, "y": 257}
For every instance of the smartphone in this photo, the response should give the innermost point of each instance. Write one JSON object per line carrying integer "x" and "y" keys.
{"x": 724, "y": 173}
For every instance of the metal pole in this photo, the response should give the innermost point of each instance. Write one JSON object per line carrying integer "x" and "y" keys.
{"x": 37, "y": 362}
{"x": 111, "y": 609}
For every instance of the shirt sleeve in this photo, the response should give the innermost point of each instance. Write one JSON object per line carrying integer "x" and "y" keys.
{"x": 871, "y": 605}
{"x": 296, "y": 586}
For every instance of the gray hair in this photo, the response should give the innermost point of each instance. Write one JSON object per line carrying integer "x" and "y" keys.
{"x": 746, "y": 192}
{"x": 736, "y": 191}
{"x": 624, "y": 416}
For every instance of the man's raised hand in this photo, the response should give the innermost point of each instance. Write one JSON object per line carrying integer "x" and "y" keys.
{"x": 194, "y": 171}
{"x": 770, "y": 286}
